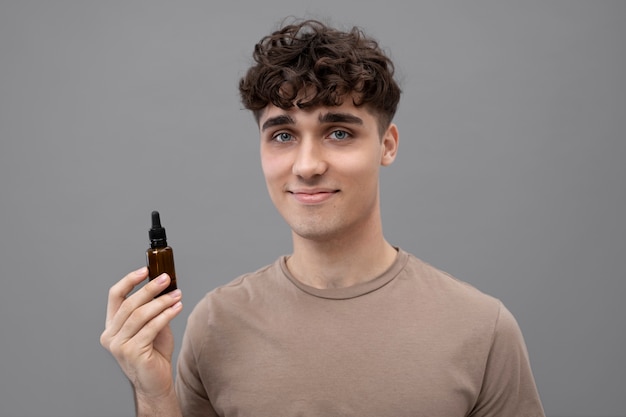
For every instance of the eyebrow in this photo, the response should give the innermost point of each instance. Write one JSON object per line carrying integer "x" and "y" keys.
{"x": 329, "y": 117}
{"x": 283, "y": 119}
{"x": 340, "y": 118}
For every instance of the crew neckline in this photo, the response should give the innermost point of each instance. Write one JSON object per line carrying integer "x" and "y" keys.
{"x": 352, "y": 291}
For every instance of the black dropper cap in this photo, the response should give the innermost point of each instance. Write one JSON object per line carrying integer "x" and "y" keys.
{"x": 157, "y": 232}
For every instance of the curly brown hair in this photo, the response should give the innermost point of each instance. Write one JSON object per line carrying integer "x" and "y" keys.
{"x": 309, "y": 64}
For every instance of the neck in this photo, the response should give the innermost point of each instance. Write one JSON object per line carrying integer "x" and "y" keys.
{"x": 342, "y": 261}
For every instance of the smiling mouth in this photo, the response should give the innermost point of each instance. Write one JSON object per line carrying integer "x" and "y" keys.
{"x": 314, "y": 196}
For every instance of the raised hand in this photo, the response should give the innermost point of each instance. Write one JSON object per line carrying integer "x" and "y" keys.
{"x": 138, "y": 335}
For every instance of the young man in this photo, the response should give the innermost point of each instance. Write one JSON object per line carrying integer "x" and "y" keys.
{"x": 347, "y": 325}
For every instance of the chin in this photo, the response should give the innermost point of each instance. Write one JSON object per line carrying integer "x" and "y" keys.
{"x": 317, "y": 232}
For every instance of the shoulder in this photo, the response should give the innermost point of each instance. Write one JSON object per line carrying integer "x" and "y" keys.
{"x": 466, "y": 307}
{"x": 237, "y": 295}
{"x": 447, "y": 290}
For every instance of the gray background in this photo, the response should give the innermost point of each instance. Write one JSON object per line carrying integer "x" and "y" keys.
{"x": 510, "y": 175}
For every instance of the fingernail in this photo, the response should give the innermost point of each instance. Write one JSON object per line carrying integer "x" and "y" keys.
{"x": 177, "y": 306}
{"x": 141, "y": 271}
{"x": 175, "y": 293}
{"x": 161, "y": 279}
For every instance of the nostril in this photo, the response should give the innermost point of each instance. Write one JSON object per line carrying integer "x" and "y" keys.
{"x": 308, "y": 164}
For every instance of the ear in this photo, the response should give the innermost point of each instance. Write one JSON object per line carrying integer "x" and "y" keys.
{"x": 389, "y": 145}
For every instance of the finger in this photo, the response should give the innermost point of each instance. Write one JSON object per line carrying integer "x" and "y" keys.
{"x": 119, "y": 291}
{"x": 144, "y": 295}
{"x": 149, "y": 334}
{"x": 145, "y": 323}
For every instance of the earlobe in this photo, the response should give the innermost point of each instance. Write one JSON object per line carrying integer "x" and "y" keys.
{"x": 390, "y": 145}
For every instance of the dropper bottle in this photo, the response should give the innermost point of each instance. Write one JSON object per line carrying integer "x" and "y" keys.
{"x": 160, "y": 256}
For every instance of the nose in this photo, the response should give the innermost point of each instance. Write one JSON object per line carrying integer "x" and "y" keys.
{"x": 309, "y": 161}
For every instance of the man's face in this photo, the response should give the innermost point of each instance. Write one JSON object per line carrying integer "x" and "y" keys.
{"x": 322, "y": 166}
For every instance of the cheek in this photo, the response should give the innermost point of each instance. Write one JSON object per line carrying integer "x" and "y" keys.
{"x": 273, "y": 168}
{"x": 361, "y": 169}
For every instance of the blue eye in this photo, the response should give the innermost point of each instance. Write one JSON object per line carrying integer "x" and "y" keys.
{"x": 340, "y": 135}
{"x": 282, "y": 137}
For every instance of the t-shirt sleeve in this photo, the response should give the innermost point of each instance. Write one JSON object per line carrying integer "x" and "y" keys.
{"x": 508, "y": 387}
{"x": 192, "y": 395}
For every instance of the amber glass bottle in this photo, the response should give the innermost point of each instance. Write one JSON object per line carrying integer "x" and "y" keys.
{"x": 160, "y": 257}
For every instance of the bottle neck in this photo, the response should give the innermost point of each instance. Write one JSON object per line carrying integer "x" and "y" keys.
{"x": 158, "y": 243}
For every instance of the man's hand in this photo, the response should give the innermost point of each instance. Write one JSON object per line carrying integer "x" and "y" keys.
{"x": 138, "y": 335}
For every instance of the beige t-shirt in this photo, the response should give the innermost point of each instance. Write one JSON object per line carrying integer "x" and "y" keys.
{"x": 411, "y": 342}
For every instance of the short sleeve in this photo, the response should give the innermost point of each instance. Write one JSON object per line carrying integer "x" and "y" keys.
{"x": 508, "y": 387}
{"x": 192, "y": 396}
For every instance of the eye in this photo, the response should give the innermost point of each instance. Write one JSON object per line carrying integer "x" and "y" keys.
{"x": 282, "y": 137}
{"x": 339, "y": 135}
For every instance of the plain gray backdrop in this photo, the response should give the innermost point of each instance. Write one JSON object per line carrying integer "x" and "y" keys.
{"x": 511, "y": 174}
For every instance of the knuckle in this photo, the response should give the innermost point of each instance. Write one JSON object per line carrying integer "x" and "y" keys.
{"x": 125, "y": 309}
{"x": 104, "y": 340}
{"x": 142, "y": 315}
{"x": 148, "y": 289}
{"x": 116, "y": 350}
{"x": 112, "y": 291}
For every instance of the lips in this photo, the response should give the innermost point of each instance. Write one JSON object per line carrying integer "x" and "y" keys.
{"x": 313, "y": 196}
